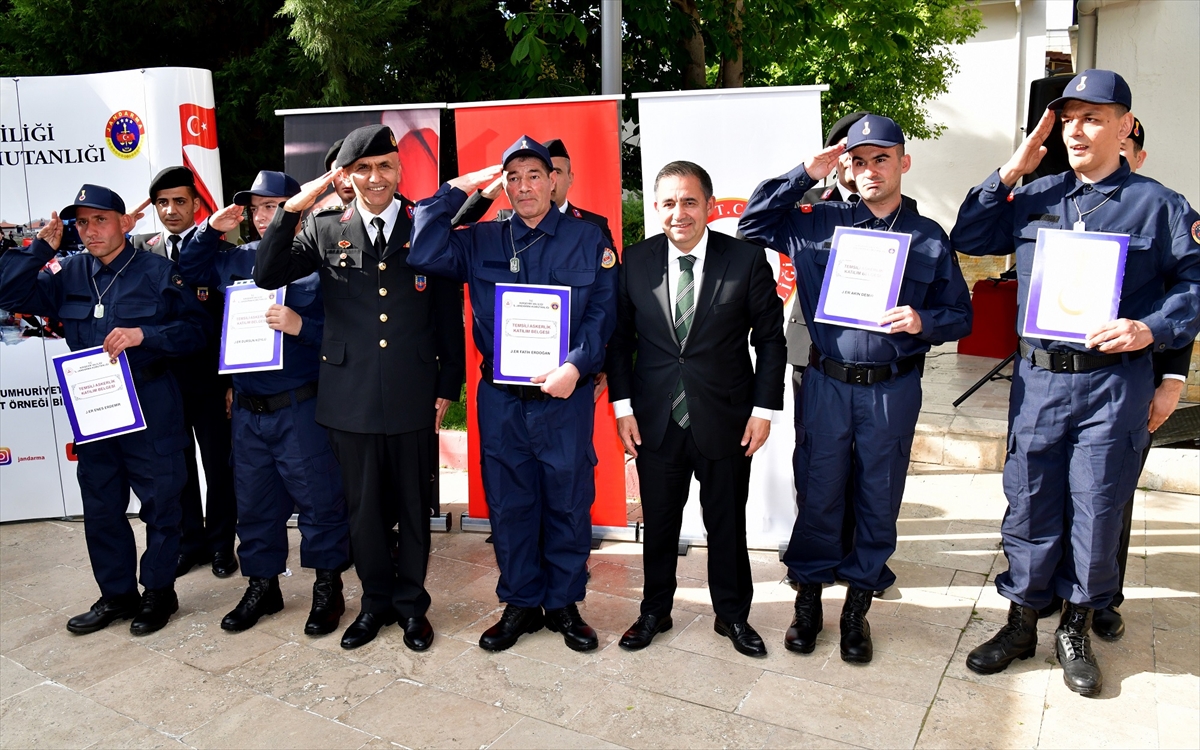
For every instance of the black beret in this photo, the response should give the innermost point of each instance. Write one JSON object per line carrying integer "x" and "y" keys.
{"x": 332, "y": 153}
{"x": 372, "y": 140}
{"x": 557, "y": 148}
{"x": 841, "y": 128}
{"x": 1138, "y": 134}
{"x": 172, "y": 177}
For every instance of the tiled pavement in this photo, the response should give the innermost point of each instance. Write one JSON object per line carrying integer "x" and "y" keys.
{"x": 194, "y": 685}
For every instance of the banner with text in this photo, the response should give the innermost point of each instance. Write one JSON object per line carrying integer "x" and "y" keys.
{"x": 587, "y": 127}
{"x": 741, "y": 137}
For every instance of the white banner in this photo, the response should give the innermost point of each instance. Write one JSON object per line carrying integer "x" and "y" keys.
{"x": 741, "y": 137}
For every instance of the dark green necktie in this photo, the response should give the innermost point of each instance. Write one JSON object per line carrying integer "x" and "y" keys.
{"x": 685, "y": 308}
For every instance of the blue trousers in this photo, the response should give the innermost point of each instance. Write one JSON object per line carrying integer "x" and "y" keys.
{"x": 151, "y": 463}
{"x": 282, "y": 461}
{"x": 1075, "y": 445}
{"x": 538, "y": 476}
{"x": 864, "y": 431}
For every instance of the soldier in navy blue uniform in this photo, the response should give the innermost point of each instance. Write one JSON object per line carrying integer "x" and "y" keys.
{"x": 536, "y": 439}
{"x": 862, "y": 389}
{"x": 392, "y": 361}
{"x": 1078, "y": 412}
{"x": 124, "y": 300}
{"x": 208, "y": 528}
{"x": 281, "y": 456}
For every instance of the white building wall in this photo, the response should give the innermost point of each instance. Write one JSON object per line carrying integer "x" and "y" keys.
{"x": 1155, "y": 45}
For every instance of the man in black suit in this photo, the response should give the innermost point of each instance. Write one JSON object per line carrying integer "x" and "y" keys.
{"x": 208, "y": 530}
{"x": 695, "y": 403}
{"x": 392, "y": 361}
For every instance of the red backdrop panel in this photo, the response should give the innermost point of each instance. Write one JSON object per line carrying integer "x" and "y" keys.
{"x": 589, "y": 131}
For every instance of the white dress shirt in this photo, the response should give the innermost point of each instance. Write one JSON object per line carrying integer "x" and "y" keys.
{"x": 389, "y": 216}
{"x": 624, "y": 407}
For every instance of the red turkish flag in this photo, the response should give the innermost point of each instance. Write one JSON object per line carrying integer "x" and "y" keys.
{"x": 198, "y": 125}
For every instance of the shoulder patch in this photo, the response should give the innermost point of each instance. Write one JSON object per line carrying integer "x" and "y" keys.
{"x": 153, "y": 240}
{"x": 1196, "y": 232}
{"x": 576, "y": 212}
{"x": 806, "y": 208}
{"x": 410, "y": 209}
{"x": 825, "y": 195}
{"x": 1010, "y": 197}
{"x": 177, "y": 280}
{"x": 608, "y": 259}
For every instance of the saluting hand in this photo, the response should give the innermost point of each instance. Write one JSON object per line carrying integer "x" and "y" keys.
{"x": 137, "y": 213}
{"x": 227, "y": 218}
{"x": 281, "y": 318}
{"x": 472, "y": 181}
{"x": 1029, "y": 154}
{"x": 52, "y": 232}
{"x": 310, "y": 191}
{"x": 823, "y": 162}
{"x": 559, "y": 382}
{"x": 492, "y": 192}
{"x": 120, "y": 339}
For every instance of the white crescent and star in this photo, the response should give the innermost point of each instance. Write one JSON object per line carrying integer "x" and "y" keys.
{"x": 194, "y": 133}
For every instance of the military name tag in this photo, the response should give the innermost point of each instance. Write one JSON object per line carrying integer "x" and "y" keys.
{"x": 99, "y": 311}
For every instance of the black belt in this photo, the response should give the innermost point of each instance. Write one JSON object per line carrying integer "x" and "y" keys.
{"x": 152, "y": 371}
{"x": 1074, "y": 362}
{"x": 523, "y": 392}
{"x": 268, "y": 404}
{"x": 864, "y": 374}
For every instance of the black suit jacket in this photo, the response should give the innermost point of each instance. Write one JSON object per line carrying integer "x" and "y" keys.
{"x": 393, "y": 340}
{"x": 477, "y": 205}
{"x": 737, "y": 301}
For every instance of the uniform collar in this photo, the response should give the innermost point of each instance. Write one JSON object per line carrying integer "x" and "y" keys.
{"x": 183, "y": 238}
{"x": 862, "y": 215}
{"x": 118, "y": 262}
{"x": 563, "y": 208}
{"x": 1107, "y": 186}
{"x": 548, "y": 224}
{"x": 389, "y": 214}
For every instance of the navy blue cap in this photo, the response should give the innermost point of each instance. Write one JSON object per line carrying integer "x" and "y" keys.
{"x": 1098, "y": 87}
{"x": 526, "y": 146}
{"x": 272, "y": 184}
{"x": 94, "y": 196}
{"x": 369, "y": 140}
{"x": 874, "y": 130}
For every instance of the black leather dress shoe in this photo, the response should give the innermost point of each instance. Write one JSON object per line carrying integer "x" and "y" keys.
{"x": 418, "y": 633}
{"x": 801, "y": 637}
{"x": 642, "y": 632}
{"x": 1108, "y": 623}
{"x": 514, "y": 623}
{"x": 104, "y": 612}
{"x": 577, "y": 634}
{"x": 189, "y": 560}
{"x": 364, "y": 628}
{"x": 224, "y": 564}
{"x": 328, "y": 604}
{"x": 745, "y": 639}
{"x": 262, "y": 598}
{"x": 157, "y": 607}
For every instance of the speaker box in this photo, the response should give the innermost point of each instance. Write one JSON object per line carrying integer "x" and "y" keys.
{"x": 1042, "y": 92}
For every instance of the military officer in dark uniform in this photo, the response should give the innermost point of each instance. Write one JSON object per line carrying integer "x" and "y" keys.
{"x": 1078, "y": 412}
{"x": 133, "y": 302}
{"x": 862, "y": 389}
{"x": 392, "y": 361}
{"x": 536, "y": 439}
{"x": 281, "y": 456}
{"x": 208, "y": 529}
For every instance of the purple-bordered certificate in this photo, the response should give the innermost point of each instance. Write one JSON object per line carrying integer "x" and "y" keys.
{"x": 863, "y": 277}
{"x": 248, "y": 344}
{"x": 533, "y": 331}
{"x": 99, "y": 394}
{"x": 1075, "y": 286}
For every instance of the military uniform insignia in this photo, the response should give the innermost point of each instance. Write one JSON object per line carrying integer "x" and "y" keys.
{"x": 343, "y": 244}
{"x": 411, "y": 210}
{"x": 420, "y": 282}
{"x": 1010, "y": 197}
{"x": 826, "y": 195}
{"x": 806, "y": 208}
{"x": 392, "y": 136}
{"x": 866, "y": 126}
{"x": 54, "y": 266}
{"x": 1082, "y": 84}
{"x": 575, "y": 211}
{"x": 608, "y": 259}
{"x": 152, "y": 241}
{"x": 82, "y": 195}
{"x": 1196, "y": 232}
{"x": 346, "y": 215}
{"x": 177, "y": 280}
{"x": 202, "y": 293}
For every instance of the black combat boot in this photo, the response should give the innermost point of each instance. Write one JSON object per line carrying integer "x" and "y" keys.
{"x": 1016, "y": 640}
{"x": 1073, "y": 646}
{"x": 1108, "y": 623}
{"x": 328, "y": 604}
{"x": 157, "y": 607}
{"x": 262, "y": 597}
{"x": 801, "y": 637}
{"x": 856, "y": 631}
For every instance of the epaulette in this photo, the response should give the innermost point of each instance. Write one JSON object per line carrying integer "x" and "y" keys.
{"x": 330, "y": 209}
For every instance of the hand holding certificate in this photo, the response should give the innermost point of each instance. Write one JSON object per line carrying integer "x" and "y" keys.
{"x": 99, "y": 394}
{"x": 248, "y": 343}
{"x": 862, "y": 279}
{"x": 1075, "y": 285}
{"x": 533, "y": 331}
